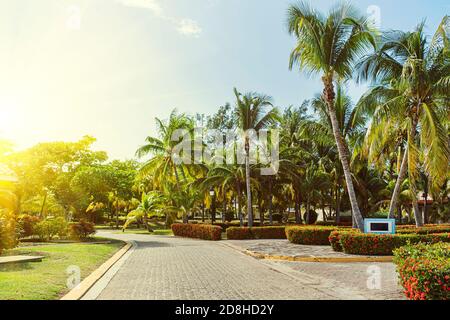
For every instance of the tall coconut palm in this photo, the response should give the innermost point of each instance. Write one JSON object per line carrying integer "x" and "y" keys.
{"x": 412, "y": 77}
{"x": 252, "y": 114}
{"x": 330, "y": 45}
{"x": 163, "y": 166}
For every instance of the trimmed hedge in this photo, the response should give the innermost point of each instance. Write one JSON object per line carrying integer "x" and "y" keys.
{"x": 256, "y": 233}
{"x": 333, "y": 224}
{"x": 430, "y": 229}
{"x": 197, "y": 231}
{"x": 384, "y": 245}
{"x": 424, "y": 271}
{"x": 310, "y": 235}
{"x": 335, "y": 238}
{"x": 425, "y": 230}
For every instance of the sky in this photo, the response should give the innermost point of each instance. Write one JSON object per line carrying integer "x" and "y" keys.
{"x": 107, "y": 68}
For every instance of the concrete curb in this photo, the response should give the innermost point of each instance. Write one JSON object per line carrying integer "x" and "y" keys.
{"x": 79, "y": 291}
{"x": 352, "y": 259}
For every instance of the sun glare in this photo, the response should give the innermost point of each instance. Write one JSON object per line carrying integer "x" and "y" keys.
{"x": 9, "y": 117}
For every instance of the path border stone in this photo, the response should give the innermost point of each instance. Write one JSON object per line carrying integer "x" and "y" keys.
{"x": 350, "y": 259}
{"x": 79, "y": 291}
{"x": 20, "y": 259}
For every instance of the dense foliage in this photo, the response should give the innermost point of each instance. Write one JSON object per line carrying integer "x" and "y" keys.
{"x": 310, "y": 235}
{"x": 197, "y": 231}
{"x": 234, "y": 233}
{"x": 384, "y": 245}
{"x": 424, "y": 271}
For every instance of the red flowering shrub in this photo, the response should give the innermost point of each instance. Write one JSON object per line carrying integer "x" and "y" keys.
{"x": 335, "y": 238}
{"x": 81, "y": 230}
{"x": 424, "y": 271}
{"x": 197, "y": 231}
{"x": 383, "y": 245}
{"x": 310, "y": 235}
{"x": 256, "y": 233}
{"x": 27, "y": 224}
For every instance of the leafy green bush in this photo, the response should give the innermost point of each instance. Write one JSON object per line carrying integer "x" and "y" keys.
{"x": 234, "y": 233}
{"x": 309, "y": 235}
{"x": 425, "y": 230}
{"x": 82, "y": 230}
{"x": 310, "y": 217}
{"x": 50, "y": 228}
{"x": 197, "y": 231}
{"x": 26, "y": 224}
{"x": 229, "y": 216}
{"x": 7, "y": 230}
{"x": 424, "y": 271}
{"x": 333, "y": 224}
{"x": 384, "y": 245}
{"x": 277, "y": 217}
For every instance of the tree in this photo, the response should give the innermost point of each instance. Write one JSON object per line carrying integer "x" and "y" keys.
{"x": 412, "y": 77}
{"x": 162, "y": 166}
{"x": 149, "y": 206}
{"x": 252, "y": 115}
{"x": 330, "y": 45}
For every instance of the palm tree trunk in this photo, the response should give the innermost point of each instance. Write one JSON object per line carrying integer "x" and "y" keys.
{"x": 402, "y": 173}
{"x": 425, "y": 196}
{"x": 417, "y": 213}
{"x": 329, "y": 96}
{"x": 241, "y": 217}
{"x": 398, "y": 185}
{"x": 270, "y": 202}
{"x": 298, "y": 213}
{"x": 338, "y": 205}
{"x": 247, "y": 180}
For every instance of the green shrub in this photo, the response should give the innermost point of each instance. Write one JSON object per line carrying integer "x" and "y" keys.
{"x": 309, "y": 235}
{"x": 425, "y": 230}
{"x": 82, "y": 230}
{"x": 277, "y": 217}
{"x": 26, "y": 224}
{"x": 50, "y": 228}
{"x": 229, "y": 216}
{"x": 424, "y": 271}
{"x": 234, "y": 233}
{"x": 384, "y": 245}
{"x": 7, "y": 230}
{"x": 333, "y": 224}
{"x": 310, "y": 217}
{"x": 197, "y": 231}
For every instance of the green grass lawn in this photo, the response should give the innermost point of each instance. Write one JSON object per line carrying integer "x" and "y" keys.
{"x": 46, "y": 280}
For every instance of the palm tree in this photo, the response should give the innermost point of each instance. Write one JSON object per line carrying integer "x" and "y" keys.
{"x": 149, "y": 205}
{"x": 163, "y": 165}
{"x": 330, "y": 45}
{"x": 252, "y": 115}
{"x": 412, "y": 77}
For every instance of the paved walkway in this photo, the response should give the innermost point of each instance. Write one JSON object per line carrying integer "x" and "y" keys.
{"x": 173, "y": 268}
{"x": 288, "y": 249}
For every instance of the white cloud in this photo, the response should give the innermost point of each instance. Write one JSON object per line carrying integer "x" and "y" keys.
{"x": 186, "y": 27}
{"x": 151, "y": 5}
{"x": 189, "y": 27}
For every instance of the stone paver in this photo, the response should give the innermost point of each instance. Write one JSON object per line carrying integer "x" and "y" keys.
{"x": 355, "y": 276}
{"x": 184, "y": 269}
{"x": 286, "y": 248}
